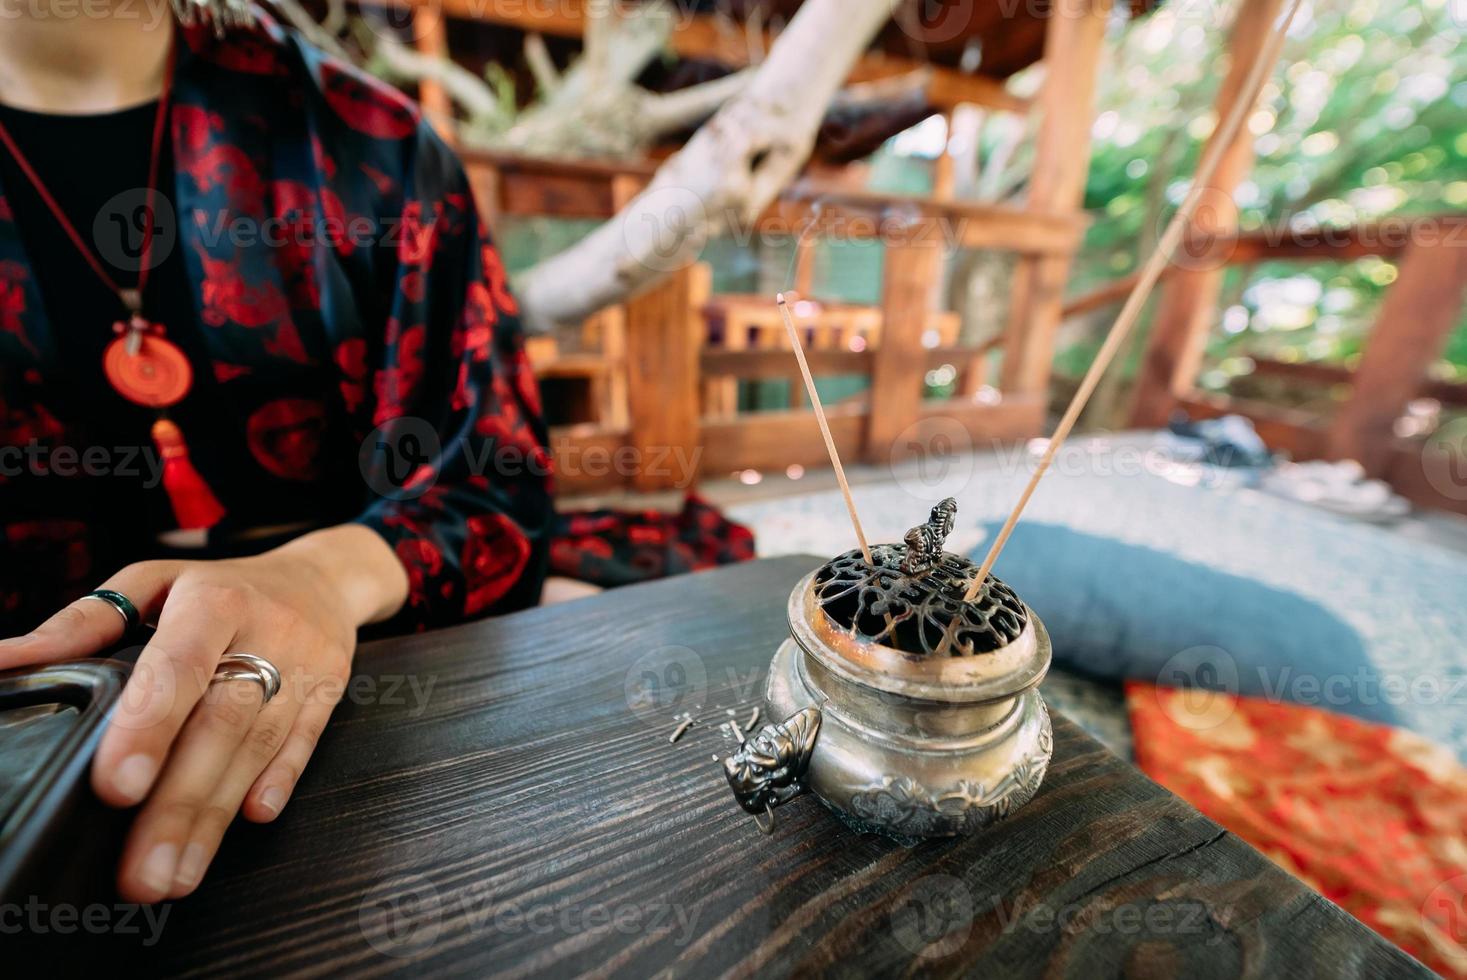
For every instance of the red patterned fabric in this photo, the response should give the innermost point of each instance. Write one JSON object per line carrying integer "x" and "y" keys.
{"x": 612, "y": 548}
{"x": 1372, "y": 817}
{"x": 357, "y": 350}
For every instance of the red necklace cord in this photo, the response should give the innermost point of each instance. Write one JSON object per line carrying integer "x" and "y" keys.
{"x": 160, "y": 120}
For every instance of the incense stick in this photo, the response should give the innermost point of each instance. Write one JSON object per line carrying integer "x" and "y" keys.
{"x": 1150, "y": 273}
{"x": 840, "y": 473}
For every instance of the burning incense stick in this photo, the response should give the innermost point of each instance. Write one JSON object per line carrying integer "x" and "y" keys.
{"x": 840, "y": 473}
{"x": 1155, "y": 266}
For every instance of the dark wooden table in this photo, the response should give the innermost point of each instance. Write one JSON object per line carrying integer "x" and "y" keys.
{"x": 521, "y": 811}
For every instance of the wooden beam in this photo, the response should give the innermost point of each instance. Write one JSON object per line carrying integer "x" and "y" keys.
{"x": 431, "y": 32}
{"x": 853, "y": 215}
{"x": 1420, "y": 310}
{"x": 1306, "y": 372}
{"x": 911, "y": 269}
{"x": 1072, "y": 46}
{"x": 1384, "y": 237}
{"x": 1015, "y": 417}
{"x": 1188, "y": 302}
{"x": 1109, "y": 294}
{"x": 764, "y": 365}
{"x": 703, "y": 37}
{"x": 663, "y": 341}
{"x": 487, "y": 189}
{"x": 589, "y": 189}
{"x": 775, "y": 440}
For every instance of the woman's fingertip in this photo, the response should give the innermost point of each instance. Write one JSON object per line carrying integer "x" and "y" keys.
{"x": 133, "y": 777}
{"x": 272, "y": 801}
{"x": 157, "y": 871}
{"x": 191, "y": 868}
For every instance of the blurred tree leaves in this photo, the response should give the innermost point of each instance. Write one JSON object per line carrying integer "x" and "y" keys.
{"x": 1367, "y": 119}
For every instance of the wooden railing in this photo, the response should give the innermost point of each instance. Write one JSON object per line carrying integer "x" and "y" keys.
{"x": 1421, "y": 308}
{"x": 663, "y": 371}
{"x": 676, "y": 392}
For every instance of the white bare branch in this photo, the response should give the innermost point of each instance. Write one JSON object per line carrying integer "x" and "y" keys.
{"x": 729, "y": 172}
{"x": 320, "y": 35}
{"x": 537, "y": 56}
{"x": 883, "y": 91}
{"x": 475, "y": 97}
{"x": 600, "y": 21}
{"x": 680, "y": 109}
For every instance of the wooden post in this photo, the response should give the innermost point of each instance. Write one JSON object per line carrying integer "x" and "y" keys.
{"x": 1072, "y": 47}
{"x": 944, "y": 168}
{"x": 721, "y": 395}
{"x": 613, "y": 339}
{"x": 1420, "y": 309}
{"x": 898, "y": 363}
{"x": 488, "y": 188}
{"x": 431, "y": 27}
{"x": 664, "y": 340}
{"x": 805, "y": 267}
{"x": 1187, "y": 307}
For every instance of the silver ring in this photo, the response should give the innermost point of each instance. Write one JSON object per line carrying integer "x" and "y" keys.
{"x": 248, "y": 667}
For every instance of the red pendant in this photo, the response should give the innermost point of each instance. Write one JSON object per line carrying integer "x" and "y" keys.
{"x": 145, "y": 367}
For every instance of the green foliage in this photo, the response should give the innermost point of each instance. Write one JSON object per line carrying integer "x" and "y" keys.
{"x": 1366, "y": 119}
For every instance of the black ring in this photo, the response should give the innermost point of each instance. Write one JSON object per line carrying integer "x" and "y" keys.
{"x": 122, "y": 604}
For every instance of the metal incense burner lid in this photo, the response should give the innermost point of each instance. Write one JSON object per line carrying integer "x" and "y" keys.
{"x": 906, "y": 709}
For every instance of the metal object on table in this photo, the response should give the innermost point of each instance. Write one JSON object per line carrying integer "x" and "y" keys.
{"x": 248, "y": 667}
{"x": 57, "y": 841}
{"x": 907, "y": 710}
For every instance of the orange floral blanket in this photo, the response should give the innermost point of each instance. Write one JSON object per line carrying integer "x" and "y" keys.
{"x": 1373, "y": 817}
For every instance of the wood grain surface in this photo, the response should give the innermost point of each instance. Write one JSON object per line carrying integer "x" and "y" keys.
{"x": 520, "y": 811}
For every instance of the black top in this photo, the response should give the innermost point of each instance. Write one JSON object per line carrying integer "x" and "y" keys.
{"x": 96, "y": 167}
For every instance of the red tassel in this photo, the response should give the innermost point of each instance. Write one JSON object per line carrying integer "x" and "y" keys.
{"x": 194, "y": 504}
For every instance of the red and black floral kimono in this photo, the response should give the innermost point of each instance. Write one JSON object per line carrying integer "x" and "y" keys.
{"x": 356, "y": 353}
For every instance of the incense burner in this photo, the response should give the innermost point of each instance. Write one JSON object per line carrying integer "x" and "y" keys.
{"x": 906, "y": 709}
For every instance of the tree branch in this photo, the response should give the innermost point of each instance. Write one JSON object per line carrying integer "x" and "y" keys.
{"x": 728, "y": 173}
{"x": 680, "y": 109}
{"x": 537, "y": 56}
{"x": 320, "y": 35}
{"x": 467, "y": 89}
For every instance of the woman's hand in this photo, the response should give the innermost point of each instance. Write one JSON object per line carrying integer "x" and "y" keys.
{"x": 200, "y": 753}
